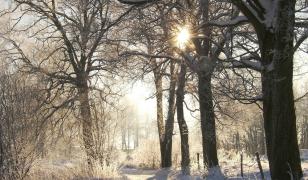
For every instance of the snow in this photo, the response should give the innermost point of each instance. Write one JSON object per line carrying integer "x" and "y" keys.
{"x": 138, "y": 174}
{"x": 252, "y": 64}
{"x": 215, "y": 174}
{"x": 229, "y": 169}
{"x": 255, "y": 65}
{"x": 270, "y": 9}
{"x": 262, "y": 10}
{"x": 160, "y": 174}
{"x": 233, "y": 22}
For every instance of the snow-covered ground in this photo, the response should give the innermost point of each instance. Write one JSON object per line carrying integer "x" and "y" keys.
{"x": 161, "y": 174}
{"x": 230, "y": 169}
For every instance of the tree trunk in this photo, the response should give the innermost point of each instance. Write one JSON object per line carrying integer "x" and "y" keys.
{"x": 185, "y": 163}
{"x": 85, "y": 113}
{"x": 208, "y": 127}
{"x": 206, "y": 68}
{"x": 278, "y": 99}
{"x": 159, "y": 113}
{"x": 167, "y": 141}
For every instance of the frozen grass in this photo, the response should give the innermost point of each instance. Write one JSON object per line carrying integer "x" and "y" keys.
{"x": 70, "y": 169}
{"x": 146, "y": 156}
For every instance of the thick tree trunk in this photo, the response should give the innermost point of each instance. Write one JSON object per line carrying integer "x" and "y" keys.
{"x": 85, "y": 114}
{"x": 206, "y": 67}
{"x": 185, "y": 163}
{"x": 208, "y": 127}
{"x": 280, "y": 122}
{"x": 278, "y": 99}
{"x": 167, "y": 141}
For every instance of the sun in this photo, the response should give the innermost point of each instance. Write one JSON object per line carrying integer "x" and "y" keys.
{"x": 183, "y": 37}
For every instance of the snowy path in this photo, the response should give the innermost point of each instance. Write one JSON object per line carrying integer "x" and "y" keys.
{"x": 139, "y": 174}
{"x": 158, "y": 174}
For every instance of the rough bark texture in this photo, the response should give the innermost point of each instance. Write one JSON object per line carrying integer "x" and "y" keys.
{"x": 278, "y": 100}
{"x": 206, "y": 67}
{"x": 185, "y": 163}
{"x": 167, "y": 141}
{"x": 85, "y": 114}
{"x": 205, "y": 71}
{"x": 208, "y": 128}
{"x": 277, "y": 50}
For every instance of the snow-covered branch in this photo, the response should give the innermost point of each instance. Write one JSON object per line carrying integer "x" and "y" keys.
{"x": 255, "y": 65}
{"x": 234, "y": 22}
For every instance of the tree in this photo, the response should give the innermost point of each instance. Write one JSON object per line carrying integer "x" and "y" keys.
{"x": 207, "y": 55}
{"x": 208, "y": 128}
{"x": 157, "y": 58}
{"x": 169, "y": 124}
{"x": 180, "y": 92}
{"x": 207, "y": 48}
{"x": 275, "y": 36}
{"x": 71, "y": 43}
{"x": 274, "y": 23}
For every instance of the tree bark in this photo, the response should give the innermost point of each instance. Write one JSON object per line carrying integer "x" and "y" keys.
{"x": 185, "y": 163}
{"x": 167, "y": 141}
{"x": 278, "y": 100}
{"x": 159, "y": 112}
{"x": 206, "y": 68}
{"x": 85, "y": 114}
{"x": 208, "y": 127}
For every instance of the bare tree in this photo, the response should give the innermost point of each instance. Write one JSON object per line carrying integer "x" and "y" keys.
{"x": 274, "y": 24}
{"x": 72, "y": 40}
{"x": 275, "y": 37}
{"x": 157, "y": 58}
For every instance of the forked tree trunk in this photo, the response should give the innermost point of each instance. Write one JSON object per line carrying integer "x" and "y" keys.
{"x": 185, "y": 163}
{"x": 86, "y": 120}
{"x": 278, "y": 100}
{"x": 167, "y": 141}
